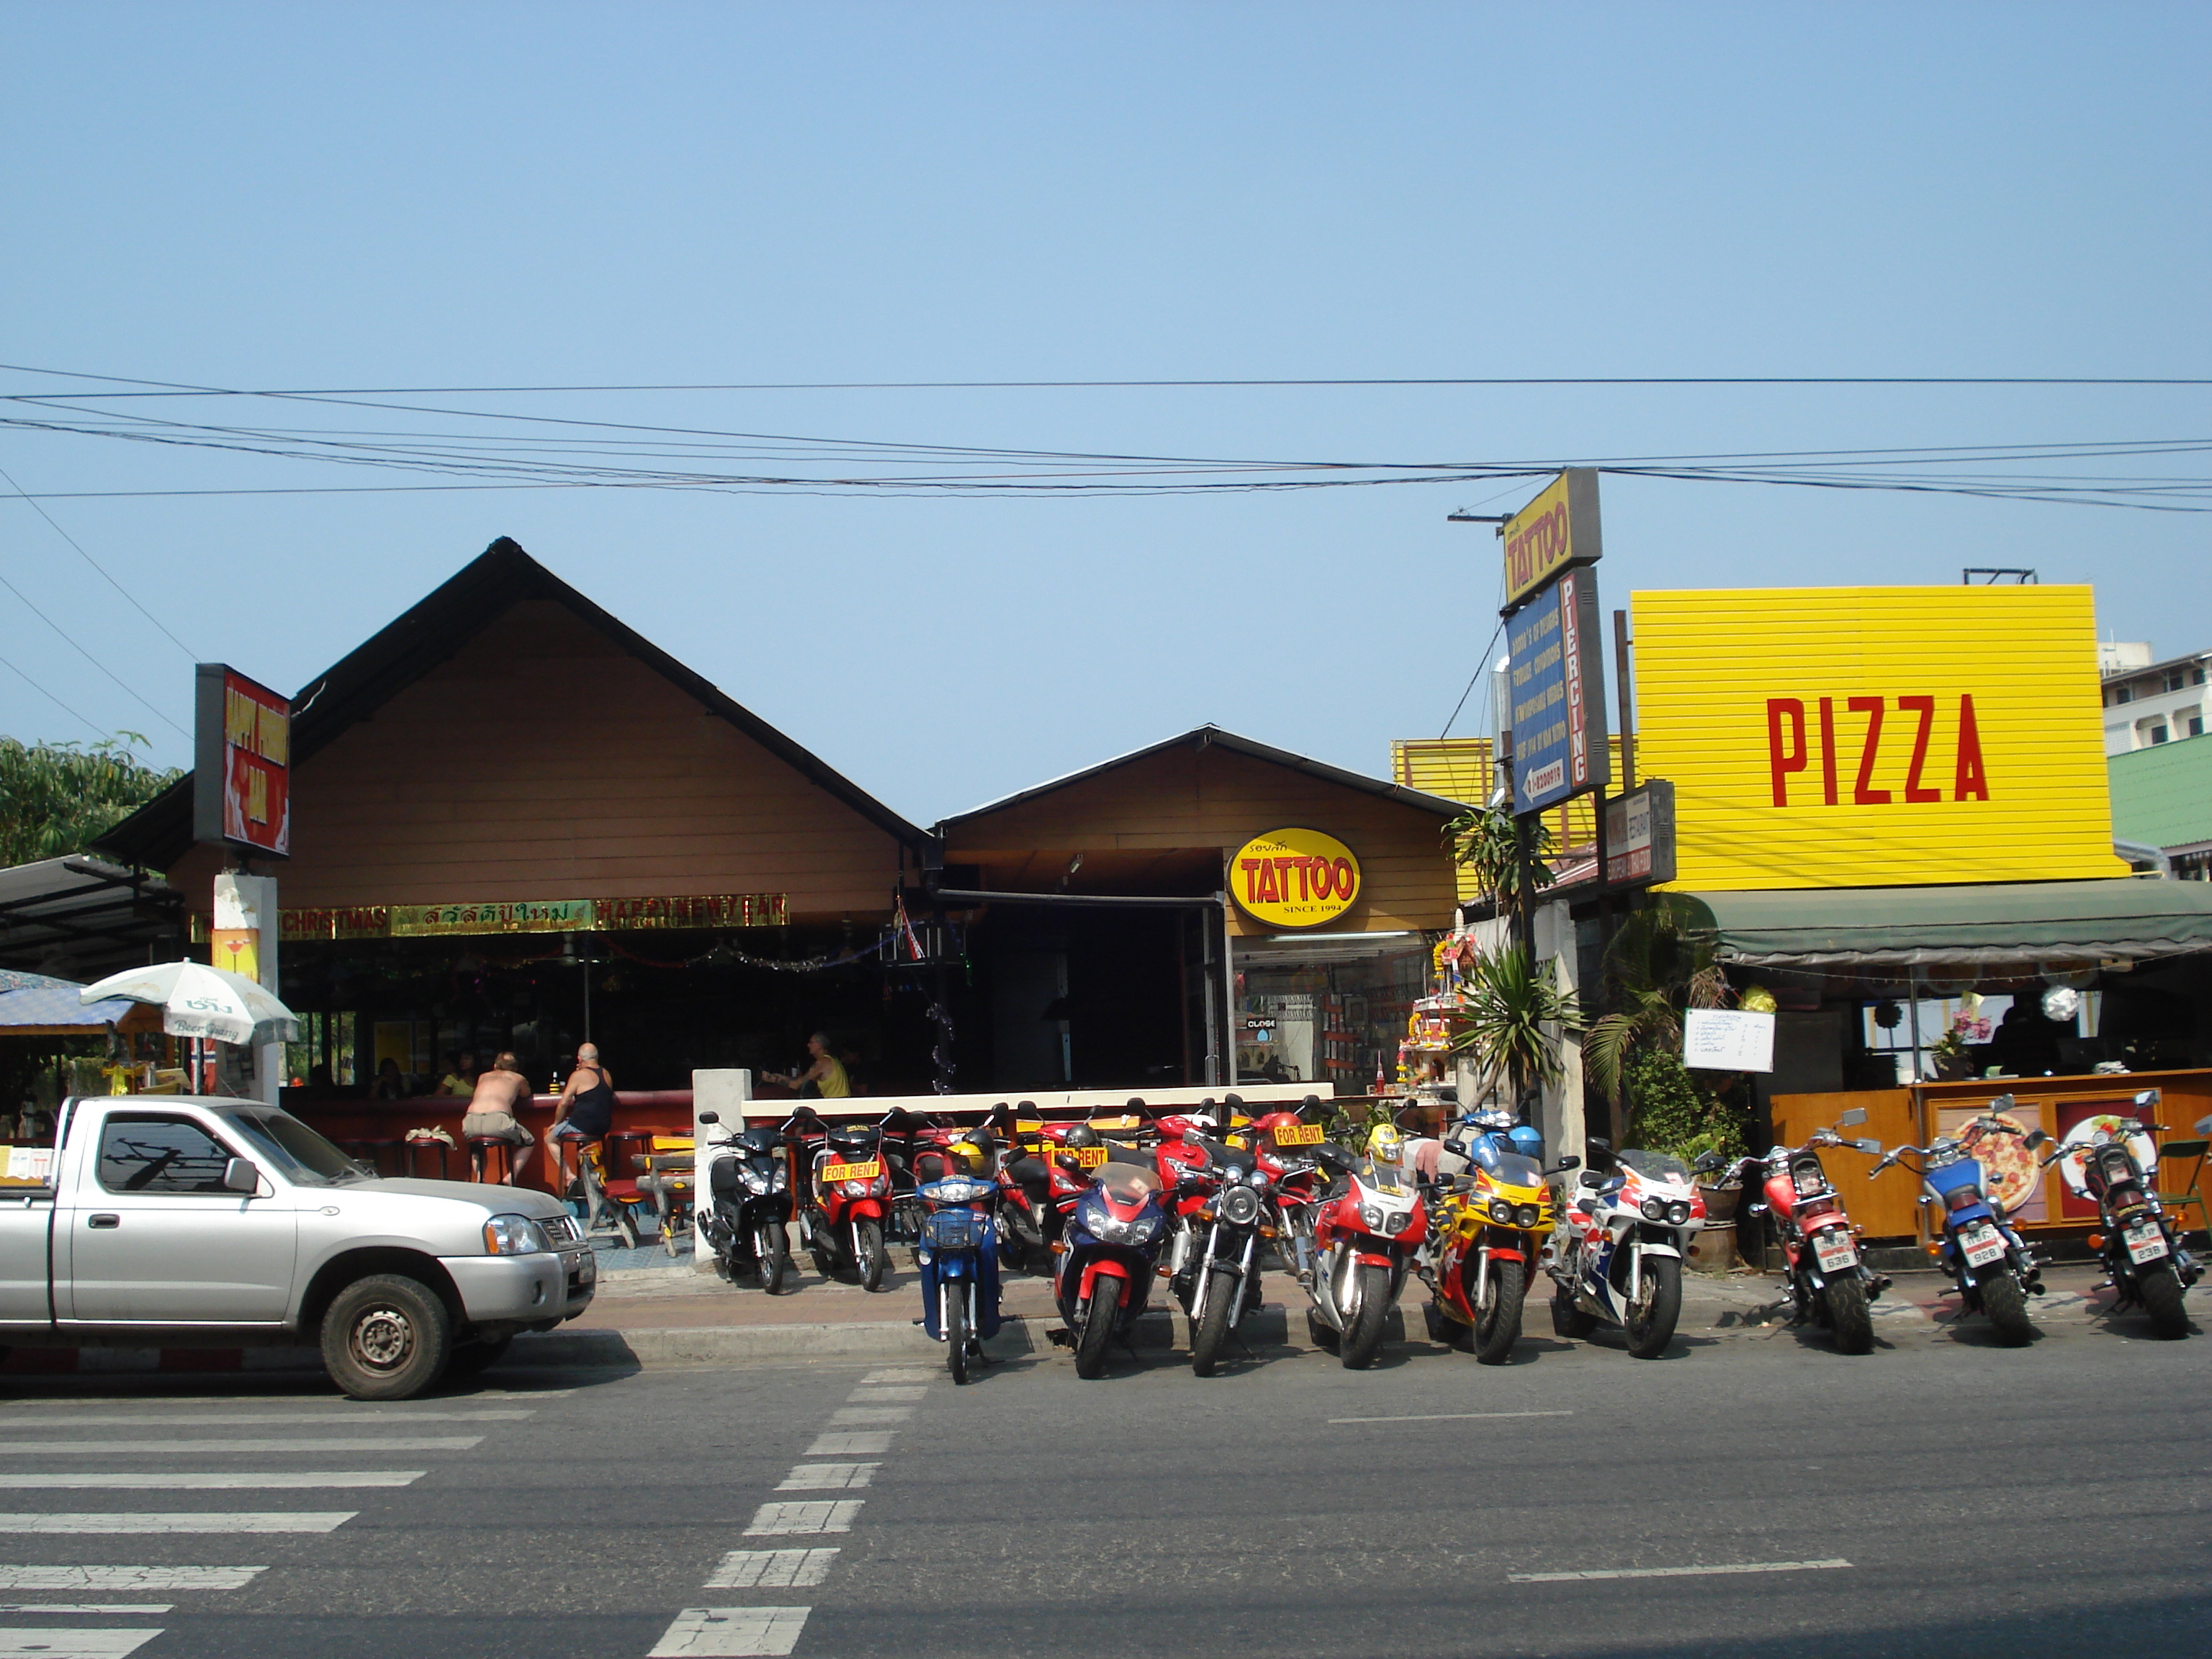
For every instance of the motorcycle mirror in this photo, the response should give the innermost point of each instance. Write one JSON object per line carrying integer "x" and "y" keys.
{"x": 1600, "y": 1143}
{"x": 1567, "y": 1163}
{"x": 2001, "y": 1103}
{"x": 2147, "y": 1097}
{"x": 2035, "y": 1139}
{"x": 1857, "y": 1115}
{"x": 710, "y": 1117}
{"x": 1874, "y": 1147}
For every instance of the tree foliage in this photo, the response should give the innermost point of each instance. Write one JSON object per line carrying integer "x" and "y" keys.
{"x": 1656, "y": 969}
{"x": 1482, "y": 840}
{"x": 56, "y": 798}
{"x": 1670, "y": 1111}
{"x": 1506, "y": 1006}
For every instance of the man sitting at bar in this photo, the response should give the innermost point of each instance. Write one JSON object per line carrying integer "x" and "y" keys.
{"x": 499, "y": 1093}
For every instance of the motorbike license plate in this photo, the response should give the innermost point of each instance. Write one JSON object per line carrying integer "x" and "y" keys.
{"x": 2145, "y": 1243}
{"x": 1837, "y": 1254}
{"x": 1982, "y": 1246}
{"x": 1088, "y": 1157}
{"x": 867, "y": 1171}
{"x": 1298, "y": 1134}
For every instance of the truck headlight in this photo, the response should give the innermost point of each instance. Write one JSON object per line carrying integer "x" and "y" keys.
{"x": 514, "y": 1235}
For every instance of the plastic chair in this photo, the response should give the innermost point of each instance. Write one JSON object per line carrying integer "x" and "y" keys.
{"x": 2192, "y": 1193}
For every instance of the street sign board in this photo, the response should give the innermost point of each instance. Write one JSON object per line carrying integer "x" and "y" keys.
{"x": 241, "y": 763}
{"x": 1556, "y": 688}
{"x": 1559, "y": 528}
{"x": 1639, "y": 836}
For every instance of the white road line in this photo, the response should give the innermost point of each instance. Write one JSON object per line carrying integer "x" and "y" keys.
{"x": 863, "y": 1417}
{"x": 136, "y": 1609}
{"x": 1446, "y": 1416}
{"x": 728, "y": 1633}
{"x": 849, "y": 1445}
{"x": 291, "y": 1481}
{"x": 75, "y": 1405}
{"x": 82, "y": 1643}
{"x": 787, "y": 1519}
{"x": 1672, "y": 1572}
{"x": 217, "y": 1447}
{"x": 883, "y": 1396}
{"x": 772, "y": 1568}
{"x": 830, "y": 1477}
{"x": 126, "y": 1578}
{"x": 901, "y": 1374}
{"x": 246, "y": 1420}
{"x": 193, "y": 1520}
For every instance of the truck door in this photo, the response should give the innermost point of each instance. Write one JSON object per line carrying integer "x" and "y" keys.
{"x": 155, "y": 1238}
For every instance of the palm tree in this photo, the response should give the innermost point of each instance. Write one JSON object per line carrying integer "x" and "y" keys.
{"x": 1505, "y": 1006}
{"x": 1483, "y": 840}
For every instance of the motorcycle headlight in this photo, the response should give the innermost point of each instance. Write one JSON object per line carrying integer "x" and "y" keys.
{"x": 782, "y": 1179}
{"x": 858, "y": 1189}
{"x": 1239, "y": 1205}
{"x": 1093, "y": 1219}
{"x": 514, "y": 1235}
{"x": 1526, "y": 1217}
{"x": 755, "y": 1181}
{"x": 1372, "y": 1215}
{"x": 1678, "y": 1212}
{"x": 1141, "y": 1230}
{"x": 1653, "y": 1210}
{"x": 1501, "y": 1212}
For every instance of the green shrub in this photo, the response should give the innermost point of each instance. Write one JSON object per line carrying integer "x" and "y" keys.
{"x": 1670, "y": 1111}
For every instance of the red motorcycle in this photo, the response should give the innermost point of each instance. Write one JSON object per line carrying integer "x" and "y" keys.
{"x": 1367, "y": 1229}
{"x": 845, "y": 1197}
{"x": 1283, "y": 1142}
{"x": 1829, "y": 1284}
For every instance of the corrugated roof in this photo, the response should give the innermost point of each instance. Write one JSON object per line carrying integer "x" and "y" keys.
{"x": 2163, "y": 794}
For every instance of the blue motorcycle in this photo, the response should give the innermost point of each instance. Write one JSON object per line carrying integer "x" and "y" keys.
{"x": 1989, "y": 1265}
{"x": 959, "y": 1261}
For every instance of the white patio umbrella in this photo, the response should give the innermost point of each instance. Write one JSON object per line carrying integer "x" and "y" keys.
{"x": 197, "y": 1000}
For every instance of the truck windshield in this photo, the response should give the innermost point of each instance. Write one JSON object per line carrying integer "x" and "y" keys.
{"x": 305, "y": 1158}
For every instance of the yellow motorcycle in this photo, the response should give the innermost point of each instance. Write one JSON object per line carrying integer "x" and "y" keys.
{"x": 1492, "y": 1223}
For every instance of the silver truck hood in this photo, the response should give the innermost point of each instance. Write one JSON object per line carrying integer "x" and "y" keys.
{"x": 491, "y": 1199}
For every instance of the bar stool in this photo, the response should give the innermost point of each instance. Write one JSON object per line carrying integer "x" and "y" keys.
{"x": 582, "y": 1173}
{"x": 376, "y": 1150}
{"x": 481, "y": 1147}
{"x": 415, "y": 1146}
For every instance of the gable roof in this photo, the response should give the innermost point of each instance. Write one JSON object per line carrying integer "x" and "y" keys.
{"x": 428, "y": 635}
{"x": 1207, "y": 737}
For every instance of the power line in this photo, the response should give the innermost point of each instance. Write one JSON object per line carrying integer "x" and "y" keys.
{"x": 48, "y": 696}
{"x": 33, "y": 502}
{"x": 89, "y": 657}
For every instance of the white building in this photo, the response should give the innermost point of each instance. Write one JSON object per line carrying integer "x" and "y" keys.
{"x": 2149, "y": 703}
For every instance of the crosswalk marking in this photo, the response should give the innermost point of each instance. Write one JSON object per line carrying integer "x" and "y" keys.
{"x": 728, "y": 1633}
{"x": 218, "y": 1448}
{"x": 21, "y": 1577}
{"x": 772, "y": 1568}
{"x": 861, "y": 1417}
{"x": 790, "y": 1518}
{"x": 259, "y": 1420}
{"x": 849, "y": 1445}
{"x": 135, "y": 1609}
{"x": 211, "y": 1482}
{"x": 828, "y": 1477}
{"x": 233, "y": 1521}
{"x": 883, "y": 1396}
{"x": 91, "y": 1644}
{"x": 901, "y": 1374}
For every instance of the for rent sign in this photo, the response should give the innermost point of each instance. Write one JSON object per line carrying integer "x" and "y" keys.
{"x": 1556, "y": 680}
{"x": 1861, "y": 737}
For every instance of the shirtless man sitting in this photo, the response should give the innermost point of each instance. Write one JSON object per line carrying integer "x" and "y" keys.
{"x": 498, "y": 1092}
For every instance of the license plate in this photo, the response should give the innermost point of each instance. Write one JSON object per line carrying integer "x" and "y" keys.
{"x": 1982, "y": 1247}
{"x": 1298, "y": 1134}
{"x": 1088, "y": 1157}
{"x": 867, "y": 1171}
{"x": 2145, "y": 1243}
{"x": 1836, "y": 1253}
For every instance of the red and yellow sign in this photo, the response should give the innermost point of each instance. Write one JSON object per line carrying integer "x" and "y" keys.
{"x": 1294, "y": 878}
{"x": 1558, "y": 529}
{"x": 242, "y": 764}
{"x": 1874, "y": 737}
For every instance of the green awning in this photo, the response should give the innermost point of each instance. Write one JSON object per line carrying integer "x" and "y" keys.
{"x": 1997, "y": 924}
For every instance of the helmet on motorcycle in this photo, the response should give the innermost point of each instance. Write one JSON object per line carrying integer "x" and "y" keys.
{"x": 969, "y": 1157}
{"x": 1082, "y": 1135}
{"x": 1385, "y": 1145}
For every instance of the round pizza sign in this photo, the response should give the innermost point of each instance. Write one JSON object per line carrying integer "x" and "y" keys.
{"x": 1294, "y": 878}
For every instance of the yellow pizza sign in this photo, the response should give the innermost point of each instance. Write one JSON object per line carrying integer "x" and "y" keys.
{"x": 1294, "y": 878}
{"x": 1867, "y": 736}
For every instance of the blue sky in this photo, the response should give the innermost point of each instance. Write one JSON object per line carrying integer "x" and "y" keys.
{"x": 491, "y": 195}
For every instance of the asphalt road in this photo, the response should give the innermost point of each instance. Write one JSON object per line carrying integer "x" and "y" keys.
{"x": 2050, "y": 1500}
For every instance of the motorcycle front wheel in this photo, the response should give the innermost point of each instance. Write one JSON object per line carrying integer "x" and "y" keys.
{"x": 1363, "y": 1340}
{"x": 868, "y": 1252}
{"x": 2159, "y": 1289}
{"x": 1651, "y": 1318}
{"x": 1848, "y": 1317}
{"x": 2006, "y": 1305}
{"x": 955, "y": 1332}
{"x": 1497, "y": 1320}
{"x": 771, "y": 1255}
{"x": 1097, "y": 1331}
{"x": 1222, "y": 1291}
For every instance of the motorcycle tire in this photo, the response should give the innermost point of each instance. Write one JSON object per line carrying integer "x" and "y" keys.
{"x": 1222, "y": 1293}
{"x": 868, "y": 1253}
{"x": 1098, "y": 1317}
{"x": 1498, "y": 1322}
{"x": 1568, "y": 1319}
{"x": 771, "y": 1255}
{"x": 2159, "y": 1289}
{"x": 2006, "y": 1305}
{"x": 956, "y": 1332}
{"x": 1650, "y": 1331}
{"x": 1848, "y": 1317}
{"x": 1363, "y": 1341}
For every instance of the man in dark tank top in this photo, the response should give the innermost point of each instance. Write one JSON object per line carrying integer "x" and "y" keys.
{"x": 586, "y": 1109}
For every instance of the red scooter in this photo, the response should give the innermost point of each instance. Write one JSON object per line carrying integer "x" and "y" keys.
{"x": 844, "y": 1199}
{"x": 1829, "y": 1284}
{"x": 1283, "y": 1142}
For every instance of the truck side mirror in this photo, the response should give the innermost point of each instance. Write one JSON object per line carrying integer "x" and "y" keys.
{"x": 240, "y": 1176}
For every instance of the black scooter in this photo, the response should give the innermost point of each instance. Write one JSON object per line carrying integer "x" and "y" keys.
{"x": 748, "y": 1180}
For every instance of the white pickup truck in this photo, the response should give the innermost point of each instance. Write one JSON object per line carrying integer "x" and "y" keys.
{"x": 180, "y": 1221}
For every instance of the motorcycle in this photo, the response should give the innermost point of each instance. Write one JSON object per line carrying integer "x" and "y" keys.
{"x": 2107, "y": 1159}
{"x": 749, "y": 1182}
{"x": 1282, "y": 1144}
{"x": 845, "y": 1200}
{"x": 1616, "y": 1256}
{"x": 1990, "y": 1266}
{"x": 1829, "y": 1284}
{"x": 1492, "y": 1222}
{"x": 959, "y": 1263}
{"x": 1219, "y": 1281}
{"x": 1109, "y": 1255}
{"x": 1367, "y": 1228}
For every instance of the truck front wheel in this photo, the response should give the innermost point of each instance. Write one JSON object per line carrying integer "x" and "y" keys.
{"x": 386, "y": 1337}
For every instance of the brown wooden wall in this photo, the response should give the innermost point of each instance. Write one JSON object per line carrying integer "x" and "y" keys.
{"x": 543, "y": 762}
{"x": 1215, "y": 797}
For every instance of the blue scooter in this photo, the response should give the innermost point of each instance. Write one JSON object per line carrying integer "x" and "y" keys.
{"x": 1990, "y": 1265}
{"x": 959, "y": 1261}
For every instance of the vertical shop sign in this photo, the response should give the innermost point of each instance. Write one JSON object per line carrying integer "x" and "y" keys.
{"x": 1556, "y": 688}
{"x": 241, "y": 763}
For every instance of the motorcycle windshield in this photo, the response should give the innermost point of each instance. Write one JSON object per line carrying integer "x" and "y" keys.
{"x": 1655, "y": 1166}
{"x": 1128, "y": 1183}
{"x": 1512, "y": 1170}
